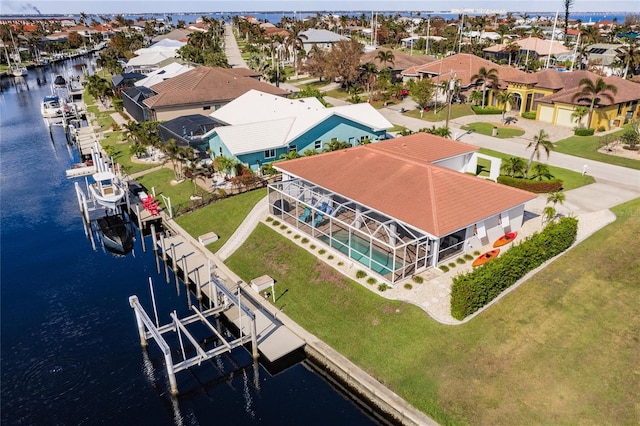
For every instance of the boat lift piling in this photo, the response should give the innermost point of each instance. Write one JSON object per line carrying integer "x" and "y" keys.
{"x": 147, "y": 329}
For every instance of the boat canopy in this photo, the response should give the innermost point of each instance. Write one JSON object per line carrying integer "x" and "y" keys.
{"x": 102, "y": 176}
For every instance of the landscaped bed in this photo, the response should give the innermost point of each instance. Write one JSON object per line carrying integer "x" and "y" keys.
{"x": 503, "y": 131}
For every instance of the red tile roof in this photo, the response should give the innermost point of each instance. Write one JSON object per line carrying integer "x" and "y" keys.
{"x": 206, "y": 85}
{"x": 465, "y": 66}
{"x": 569, "y": 85}
{"x": 395, "y": 178}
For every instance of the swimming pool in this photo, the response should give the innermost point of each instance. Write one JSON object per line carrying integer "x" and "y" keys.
{"x": 362, "y": 252}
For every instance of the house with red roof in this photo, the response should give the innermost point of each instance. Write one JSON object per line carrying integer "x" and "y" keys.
{"x": 396, "y": 207}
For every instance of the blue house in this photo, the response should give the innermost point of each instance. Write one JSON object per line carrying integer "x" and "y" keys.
{"x": 260, "y": 127}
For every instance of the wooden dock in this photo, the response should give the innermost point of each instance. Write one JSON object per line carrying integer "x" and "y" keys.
{"x": 274, "y": 339}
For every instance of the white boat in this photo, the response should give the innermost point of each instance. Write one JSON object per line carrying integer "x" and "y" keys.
{"x": 18, "y": 70}
{"x": 106, "y": 190}
{"x": 51, "y": 107}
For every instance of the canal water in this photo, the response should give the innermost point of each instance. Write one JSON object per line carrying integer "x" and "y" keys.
{"x": 70, "y": 353}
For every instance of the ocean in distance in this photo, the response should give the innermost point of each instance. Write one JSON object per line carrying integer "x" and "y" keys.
{"x": 70, "y": 353}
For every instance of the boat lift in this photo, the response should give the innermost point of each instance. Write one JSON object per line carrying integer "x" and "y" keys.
{"x": 148, "y": 329}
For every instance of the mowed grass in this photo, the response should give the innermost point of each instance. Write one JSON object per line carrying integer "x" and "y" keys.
{"x": 587, "y": 147}
{"x": 570, "y": 179}
{"x": 561, "y": 349}
{"x": 222, "y": 217}
{"x": 504, "y": 132}
{"x": 440, "y": 114}
{"x": 161, "y": 181}
{"x": 122, "y": 153}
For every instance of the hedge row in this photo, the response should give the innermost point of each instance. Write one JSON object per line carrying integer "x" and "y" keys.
{"x": 583, "y": 131}
{"x": 531, "y": 115}
{"x": 475, "y": 289}
{"x": 537, "y": 186}
{"x": 486, "y": 110}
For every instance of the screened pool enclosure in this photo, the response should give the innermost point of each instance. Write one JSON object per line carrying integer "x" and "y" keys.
{"x": 390, "y": 249}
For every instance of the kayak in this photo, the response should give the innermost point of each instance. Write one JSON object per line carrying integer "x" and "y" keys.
{"x": 505, "y": 239}
{"x": 485, "y": 257}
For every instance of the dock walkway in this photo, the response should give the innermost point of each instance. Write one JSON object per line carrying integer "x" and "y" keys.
{"x": 274, "y": 339}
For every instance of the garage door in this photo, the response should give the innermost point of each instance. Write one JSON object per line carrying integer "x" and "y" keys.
{"x": 564, "y": 117}
{"x": 546, "y": 113}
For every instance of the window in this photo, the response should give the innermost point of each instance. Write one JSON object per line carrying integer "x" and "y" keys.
{"x": 317, "y": 145}
{"x": 270, "y": 153}
{"x": 206, "y": 107}
{"x": 293, "y": 148}
{"x": 351, "y": 141}
{"x": 619, "y": 109}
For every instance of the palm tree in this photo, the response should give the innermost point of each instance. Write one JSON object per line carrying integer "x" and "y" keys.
{"x": 548, "y": 213}
{"x": 556, "y": 197}
{"x": 540, "y": 171}
{"x": 630, "y": 56}
{"x": 591, "y": 92}
{"x": 541, "y": 140}
{"x": 505, "y": 98}
{"x": 385, "y": 56}
{"x": 483, "y": 76}
{"x": 336, "y": 145}
{"x": 294, "y": 42}
{"x": 578, "y": 113}
{"x": 513, "y": 166}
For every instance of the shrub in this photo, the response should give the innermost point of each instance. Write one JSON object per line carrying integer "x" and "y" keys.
{"x": 408, "y": 286}
{"x": 601, "y": 129}
{"x": 583, "y": 131}
{"x": 330, "y": 257}
{"x": 486, "y": 110}
{"x": 296, "y": 237}
{"x": 417, "y": 279}
{"x": 444, "y": 268}
{"x": 452, "y": 264}
{"x": 360, "y": 273}
{"x": 383, "y": 287}
{"x": 275, "y": 223}
{"x": 313, "y": 246}
{"x": 340, "y": 263}
{"x": 288, "y": 231}
{"x": 460, "y": 261}
{"x": 473, "y": 290}
{"x": 371, "y": 281}
{"x": 469, "y": 257}
{"x": 269, "y": 219}
{"x": 530, "y": 115}
{"x": 283, "y": 226}
{"x": 322, "y": 251}
{"x": 551, "y": 185}
{"x": 304, "y": 240}
{"x": 476, "y": 253}
{"x": 221, "y": 193}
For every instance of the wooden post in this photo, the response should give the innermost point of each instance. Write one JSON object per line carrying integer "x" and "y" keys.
{"x": 144, "y": 248}
{"x": 164, "y": 248}
{"x": 154, "y": 238}
{"x": 254, "y": 340}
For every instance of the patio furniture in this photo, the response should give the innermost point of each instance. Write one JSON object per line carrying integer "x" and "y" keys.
{"x": 317, "y": 220}
{"x": 304, "y": 217}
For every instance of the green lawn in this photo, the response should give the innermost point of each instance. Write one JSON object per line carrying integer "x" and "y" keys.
{"x": 587, "y": 147}
{"x": 161, "y": 181}
{"x": 440, "y": 114}
{"x": 561, "y": 349}
{"x": 504, "y": 132}
{"x": 121, "y": 153}
{"x": 570, "y": 178}
{"x": 222, "y": 217}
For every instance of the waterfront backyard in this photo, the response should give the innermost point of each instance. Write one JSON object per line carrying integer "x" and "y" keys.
{"x": 562, "y": 347}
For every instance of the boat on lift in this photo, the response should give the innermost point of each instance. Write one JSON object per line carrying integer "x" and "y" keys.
{"x": 118, "y": 234}
{"x": 106, "y": 190}
{"x": 51, "y": 107}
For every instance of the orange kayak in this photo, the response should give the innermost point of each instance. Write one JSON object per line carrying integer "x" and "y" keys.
{"x": 485, "y": 257}
{"x": 505, "y": 239}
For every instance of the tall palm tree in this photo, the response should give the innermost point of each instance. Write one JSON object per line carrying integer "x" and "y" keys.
{"x": 591, "y": 92}
{"x": 540, "y": 141}
{"x": 294, "y": 42}
{"x": 384, "y": 57}
{"x": 556, "y": 197}
{"x": 630, "y": 56}
{"x": 483, "y": 76}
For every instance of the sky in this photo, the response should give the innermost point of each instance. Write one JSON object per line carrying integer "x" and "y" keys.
{"x": 162, "y": 6}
